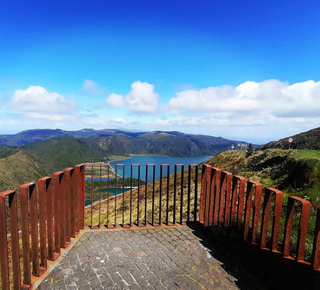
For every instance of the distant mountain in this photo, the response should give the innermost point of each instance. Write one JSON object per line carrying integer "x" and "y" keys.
{"x": 38, "y": 135}
{"x": 194, "y": 144}
{"x": 305, "y": 140}
{"x": 95, "y": 144}
{"x": 61, "y": 149}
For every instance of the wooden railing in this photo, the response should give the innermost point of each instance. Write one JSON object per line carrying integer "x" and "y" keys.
{"x": 55, "y": 208}
{"x": 231, "y": 202}
{"x": 53, "y": 211}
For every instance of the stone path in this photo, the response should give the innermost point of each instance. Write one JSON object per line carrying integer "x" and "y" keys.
{"x": 165, "y": 258}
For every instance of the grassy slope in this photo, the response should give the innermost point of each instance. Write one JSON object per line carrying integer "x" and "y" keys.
{"x": 21, "y": 167}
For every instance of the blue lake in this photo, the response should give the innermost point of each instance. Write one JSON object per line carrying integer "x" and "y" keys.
{"x": 156, "y": 160}
{"x": 104, "y": 191}
{"x": 143, "y": 160}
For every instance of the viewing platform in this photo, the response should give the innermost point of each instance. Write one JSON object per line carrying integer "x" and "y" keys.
{"x": 200, "y": 228}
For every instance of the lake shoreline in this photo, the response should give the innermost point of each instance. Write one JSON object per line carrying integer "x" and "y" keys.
{"x": 156, "y": 160}
{"x": 157, "y": 155}
{"x": 117, "y": 159}
{"x": 110, "y": 197}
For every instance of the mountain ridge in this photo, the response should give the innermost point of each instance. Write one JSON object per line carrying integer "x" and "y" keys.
{"x": 38, "y": 135}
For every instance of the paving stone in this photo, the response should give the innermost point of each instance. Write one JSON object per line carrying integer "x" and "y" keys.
{"x": 167, "y": 258}
{"x": 108, "y": 283}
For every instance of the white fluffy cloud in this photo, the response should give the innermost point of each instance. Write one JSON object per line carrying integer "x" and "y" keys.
{"x": 115, "y": 101}
{"x": 36, "y": 99}
{"x": 141, "y": 98}
{"x": 91, "y": 87}
{"x": 270, "y": 97}
{"x": 264, "y": 111}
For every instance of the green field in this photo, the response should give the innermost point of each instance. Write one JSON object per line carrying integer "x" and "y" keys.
{"x": 309, "y": 154}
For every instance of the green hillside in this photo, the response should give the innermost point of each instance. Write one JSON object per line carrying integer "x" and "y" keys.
{"x": 21, "y": 167}
{"x": 63, "y": 152}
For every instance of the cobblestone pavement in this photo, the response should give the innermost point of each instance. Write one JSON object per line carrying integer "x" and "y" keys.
{"x": 168, "y": 258}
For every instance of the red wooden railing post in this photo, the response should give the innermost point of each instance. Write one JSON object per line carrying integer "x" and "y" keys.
{"x": 227, "y": 204}
{"x": 15, "y": 252}
{"x": 217, "y": 191}
{"x": 316, "y": 244}
{"x": 24, "y": 195}
{"x": 222, "y": 196}
{"x": 80, "y": 174}
{"x": 205, "y": 187}
{"x": 55, "y": 184}
{"x": 68, "y": 192}
{"x": 4, "y": 258}
{"x": 76, "y": 203}
{"x": 73, "y": 203}
{"x": 276, "y": 218}
{"x": 43, "y": 221}
{"x": 60, "y": 211}
{"x": 195, "y": 213}
{"x": 256, "y": 210}
{"x": 303, "y": 227}
{"x": 242, "y": 190}
{"x": 211, "y": 200}
{"x": 238, "y": 184}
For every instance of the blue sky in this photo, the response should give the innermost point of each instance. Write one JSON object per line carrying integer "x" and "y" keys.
{"x": 245, "y": 70}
